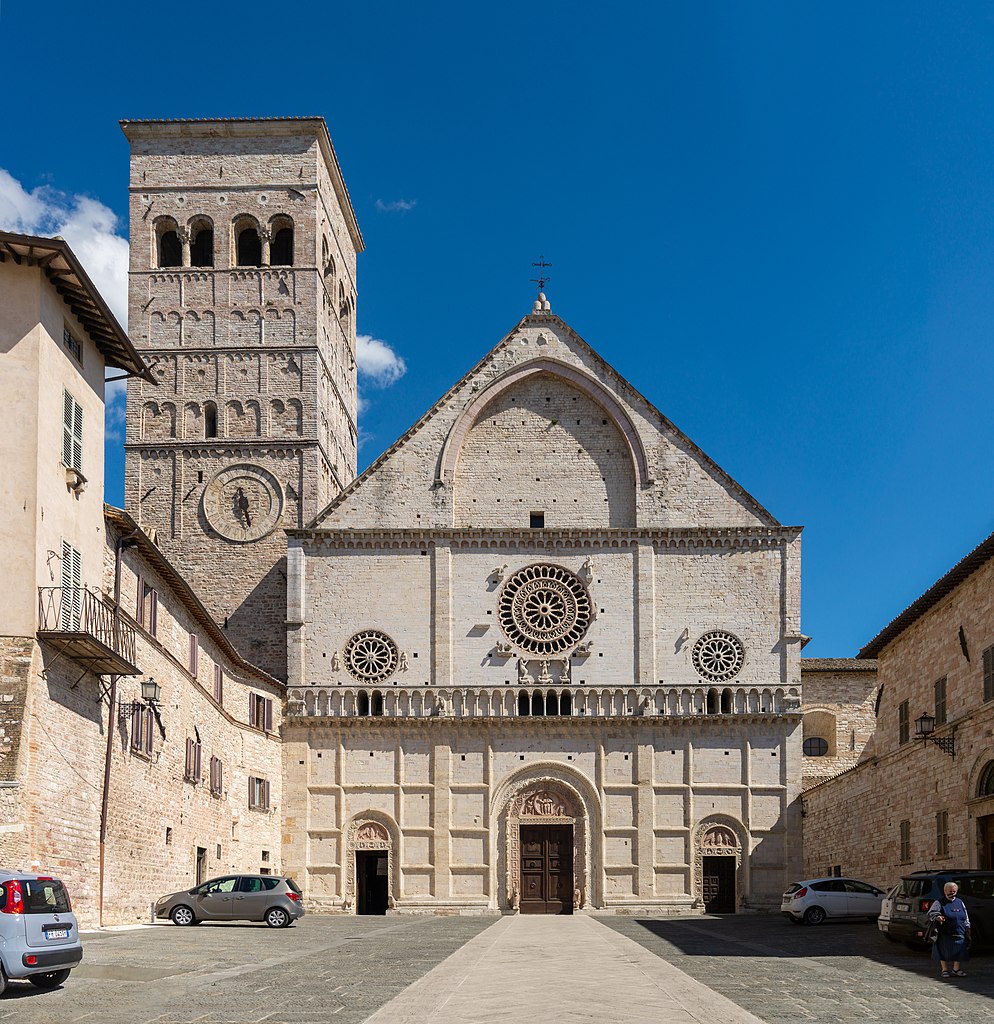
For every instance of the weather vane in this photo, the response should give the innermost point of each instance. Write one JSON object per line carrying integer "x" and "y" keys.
{"x": 541, "y": 280}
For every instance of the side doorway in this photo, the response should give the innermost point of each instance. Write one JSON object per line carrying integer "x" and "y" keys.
{"x": 718, "y": 885}
{"x": 372, "y": 890}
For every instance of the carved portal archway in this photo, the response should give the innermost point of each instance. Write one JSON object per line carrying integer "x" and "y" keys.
{"x": 718, "y": 837}
{"x": 543, "y": 800}
{"x": 369, "y": 831}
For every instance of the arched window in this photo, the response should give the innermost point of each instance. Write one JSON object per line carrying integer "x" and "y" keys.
{"x": 210, "y": 419}
{"x": 376, "y": 706}
{"x": 524, "y": 705}
{"x": 985, "y": 787}
{"x": 712, "y": 703}
{"x": 248, "y": 244}
{"x": 281, "y": 247}
{"x": 362, "y": 703}
{"x": 566, "y": 703}
{"x": 815, "y": 746}
{"x": 202, "y": 243}
{"x": 726, "y": 702}
{"x": 169, "y": 251}
{"x": 538, "y": 704}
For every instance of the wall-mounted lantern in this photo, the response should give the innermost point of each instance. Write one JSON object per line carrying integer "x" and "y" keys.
{"x": 925, "y": 731}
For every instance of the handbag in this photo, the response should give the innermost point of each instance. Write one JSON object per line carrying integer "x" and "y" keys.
{"x": 932, "y": 932}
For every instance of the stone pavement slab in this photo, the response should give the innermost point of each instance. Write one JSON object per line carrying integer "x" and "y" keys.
{"x": 557, "y": 970}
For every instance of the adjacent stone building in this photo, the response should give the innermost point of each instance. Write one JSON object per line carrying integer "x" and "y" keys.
{"x": 123, "y": 798}
{"x": 922, "y": 796}
{"x": 544, "y": 655}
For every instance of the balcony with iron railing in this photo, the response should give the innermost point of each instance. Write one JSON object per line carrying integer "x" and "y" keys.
{"x": 88, "y": 629}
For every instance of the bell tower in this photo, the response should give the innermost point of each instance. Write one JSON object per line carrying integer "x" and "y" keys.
{"x": 242, "y": 298}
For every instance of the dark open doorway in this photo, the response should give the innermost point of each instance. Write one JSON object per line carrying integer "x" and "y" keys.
{"x": 371, "y": 881}
{"x": 201, "y": 865}
{"x": 718, "y": 885}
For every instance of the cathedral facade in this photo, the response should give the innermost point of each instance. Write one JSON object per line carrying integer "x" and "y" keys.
{"x": 542, "y": 656}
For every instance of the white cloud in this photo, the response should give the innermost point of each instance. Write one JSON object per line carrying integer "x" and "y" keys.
{"x": 86, "y": 224}
{"x": 91, "y": 229}
{"x": 378, "y": 361}
{"x": 396, "y": 205}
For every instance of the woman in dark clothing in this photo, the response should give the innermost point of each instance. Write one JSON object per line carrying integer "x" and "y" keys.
{"x": 952, "y": 947}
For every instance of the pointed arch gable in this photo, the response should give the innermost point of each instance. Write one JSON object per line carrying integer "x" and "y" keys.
{"x": 589, "y": 386}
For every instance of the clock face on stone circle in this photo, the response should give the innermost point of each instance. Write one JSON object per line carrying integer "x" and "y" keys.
{"x": 243, "y": 503}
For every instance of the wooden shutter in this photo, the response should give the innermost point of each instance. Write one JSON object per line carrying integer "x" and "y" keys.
{"x": 72, "y": 432}
{"x": 251, "y": 714}
{"x": 194, "y": 654}
{"x": 218, "y": 684}
{"x": 220, "y": 777}
{"x": 188, "y": 769}
{"x": 153, "y": 612}
{"x": 140, "y": 602}
{"x": 72, "y": 580}
{"x": 265, "y": 794}
{"x": 136, "y": 729}
{"x": 268, "y": 721}
{"x": 251, "y": 795}
{"x": 197, "y": 749}
{"x": 147, "y": 712}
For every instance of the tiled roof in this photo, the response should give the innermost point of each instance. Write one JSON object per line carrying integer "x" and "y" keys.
{"x": 838, "y": 665}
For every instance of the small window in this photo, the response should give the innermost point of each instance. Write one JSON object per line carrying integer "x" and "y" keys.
{"x": 193, "y": 662}
{"x": 258, "y": 797}
{"x": 989, "y": 673}
{"x": 218, "y": 684}
{"x": 217, "y": 776}
{"x": 940, "y": 701}
{"x": 985, "y": 787}
{"x": 192, "y": 770}
{"x": 260, "y": 712}
{"x": 249, "y": 248}
{"x": 536, "y": 520}
{"x": 169, "y": 836}
{"x": 905, "y": 834}
{"x": 142, "y": 734}
{"x": 72, "y": 432}
{"x": 210, "y": 419}
{"x": 147, "y": 607}
{"x": 942, "y": 834}
{"x": 815, "y": 746}
{"x": 903, "y": 723}
{"x": 72, "y": 344}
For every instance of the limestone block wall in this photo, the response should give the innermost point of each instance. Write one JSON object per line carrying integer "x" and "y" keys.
{"x": 840, "y": 696}
{"x": 439, "y": 788}
{"x": 855, "y": 819}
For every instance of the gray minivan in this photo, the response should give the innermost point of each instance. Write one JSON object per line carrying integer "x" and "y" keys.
{"x": 39, "y": 936}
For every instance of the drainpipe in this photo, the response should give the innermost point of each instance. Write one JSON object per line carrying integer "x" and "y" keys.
{"x": 119, "y": 546}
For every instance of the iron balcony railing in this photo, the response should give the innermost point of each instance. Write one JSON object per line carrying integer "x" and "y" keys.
{"x": 88, "y": 628}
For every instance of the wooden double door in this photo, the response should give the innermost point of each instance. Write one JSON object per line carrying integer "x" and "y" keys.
{"x": 546, "y": 869}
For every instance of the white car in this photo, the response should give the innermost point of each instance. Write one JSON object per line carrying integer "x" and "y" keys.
{"x": 886, "y": 908}
{"x": 820, "y": 898}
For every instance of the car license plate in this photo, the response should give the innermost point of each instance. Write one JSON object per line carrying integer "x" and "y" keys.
{"x": 57, "y": 933}
{"x": 904, "y": 906}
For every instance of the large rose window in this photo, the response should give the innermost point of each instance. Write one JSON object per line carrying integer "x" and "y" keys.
{"x": 544, "y": 609}
{"x": 370, "y": 656}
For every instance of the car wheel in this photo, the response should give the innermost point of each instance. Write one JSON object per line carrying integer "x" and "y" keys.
{"x": 276, "y": 917}
{"x": 50, "y": 979}
{"x": 183, "y": 916}
{"x": 3, "y": 980}
{"x": 814, "y": 915}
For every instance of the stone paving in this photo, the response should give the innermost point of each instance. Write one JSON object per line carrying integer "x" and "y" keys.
{"x": 345, "y": 969}
{"x": 835, "y": 972}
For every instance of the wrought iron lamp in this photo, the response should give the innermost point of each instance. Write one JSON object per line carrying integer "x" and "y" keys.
{"x": 925, "y": 730}
{"x": 151, "y": 693}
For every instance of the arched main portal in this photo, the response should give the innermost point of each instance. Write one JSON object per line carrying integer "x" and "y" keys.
{"x": 548, "y": 824}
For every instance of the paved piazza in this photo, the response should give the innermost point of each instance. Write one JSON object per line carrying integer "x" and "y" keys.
{"x": 409, "y": 970}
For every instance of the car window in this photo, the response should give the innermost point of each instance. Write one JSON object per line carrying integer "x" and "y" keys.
{"x": 45, "y": 896}
{"x": 218, "y": 885}
{"x": 980, "y": 887}
{"x": 852, "y": 886}
{"x": 915, "y": 887}
{"x": 829, "y": 885}
{"x": 251, "y": 885}
{"x": 293, "y": 885}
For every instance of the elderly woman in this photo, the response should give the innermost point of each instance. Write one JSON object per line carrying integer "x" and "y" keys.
{"x": 952, "y": 947}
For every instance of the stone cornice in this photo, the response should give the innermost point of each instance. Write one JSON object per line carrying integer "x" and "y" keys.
{"x": 236, "y": 446}
{"x": 629, "y": 723}
{"x": 755, "y": 537}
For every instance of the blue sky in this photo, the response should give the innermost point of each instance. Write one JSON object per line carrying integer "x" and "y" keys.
{"x": 775, "y": 219}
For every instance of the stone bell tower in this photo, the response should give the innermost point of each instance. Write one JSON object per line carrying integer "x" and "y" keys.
{"x": 242, "y": 298}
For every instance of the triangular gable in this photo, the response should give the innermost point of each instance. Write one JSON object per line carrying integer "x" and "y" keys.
{"x": 604, "y": 384}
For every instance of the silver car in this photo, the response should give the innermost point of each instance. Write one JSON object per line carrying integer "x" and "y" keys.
{"x": 39, "y": 936}
{"x": 274, "y": 899}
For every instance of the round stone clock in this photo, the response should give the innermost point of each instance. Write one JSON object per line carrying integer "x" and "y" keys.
{"x": 243, "y": 503}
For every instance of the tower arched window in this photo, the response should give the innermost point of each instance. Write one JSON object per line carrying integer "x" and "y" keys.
{"x": 248, "y": 244}
{"x": 281, "y": 247}
{"x": 169, "y": 250}
{"x": 210, "y": 419}
{"x": 202, "y": 243}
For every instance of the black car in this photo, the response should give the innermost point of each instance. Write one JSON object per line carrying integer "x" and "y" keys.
{"x": 919, "y": 890}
